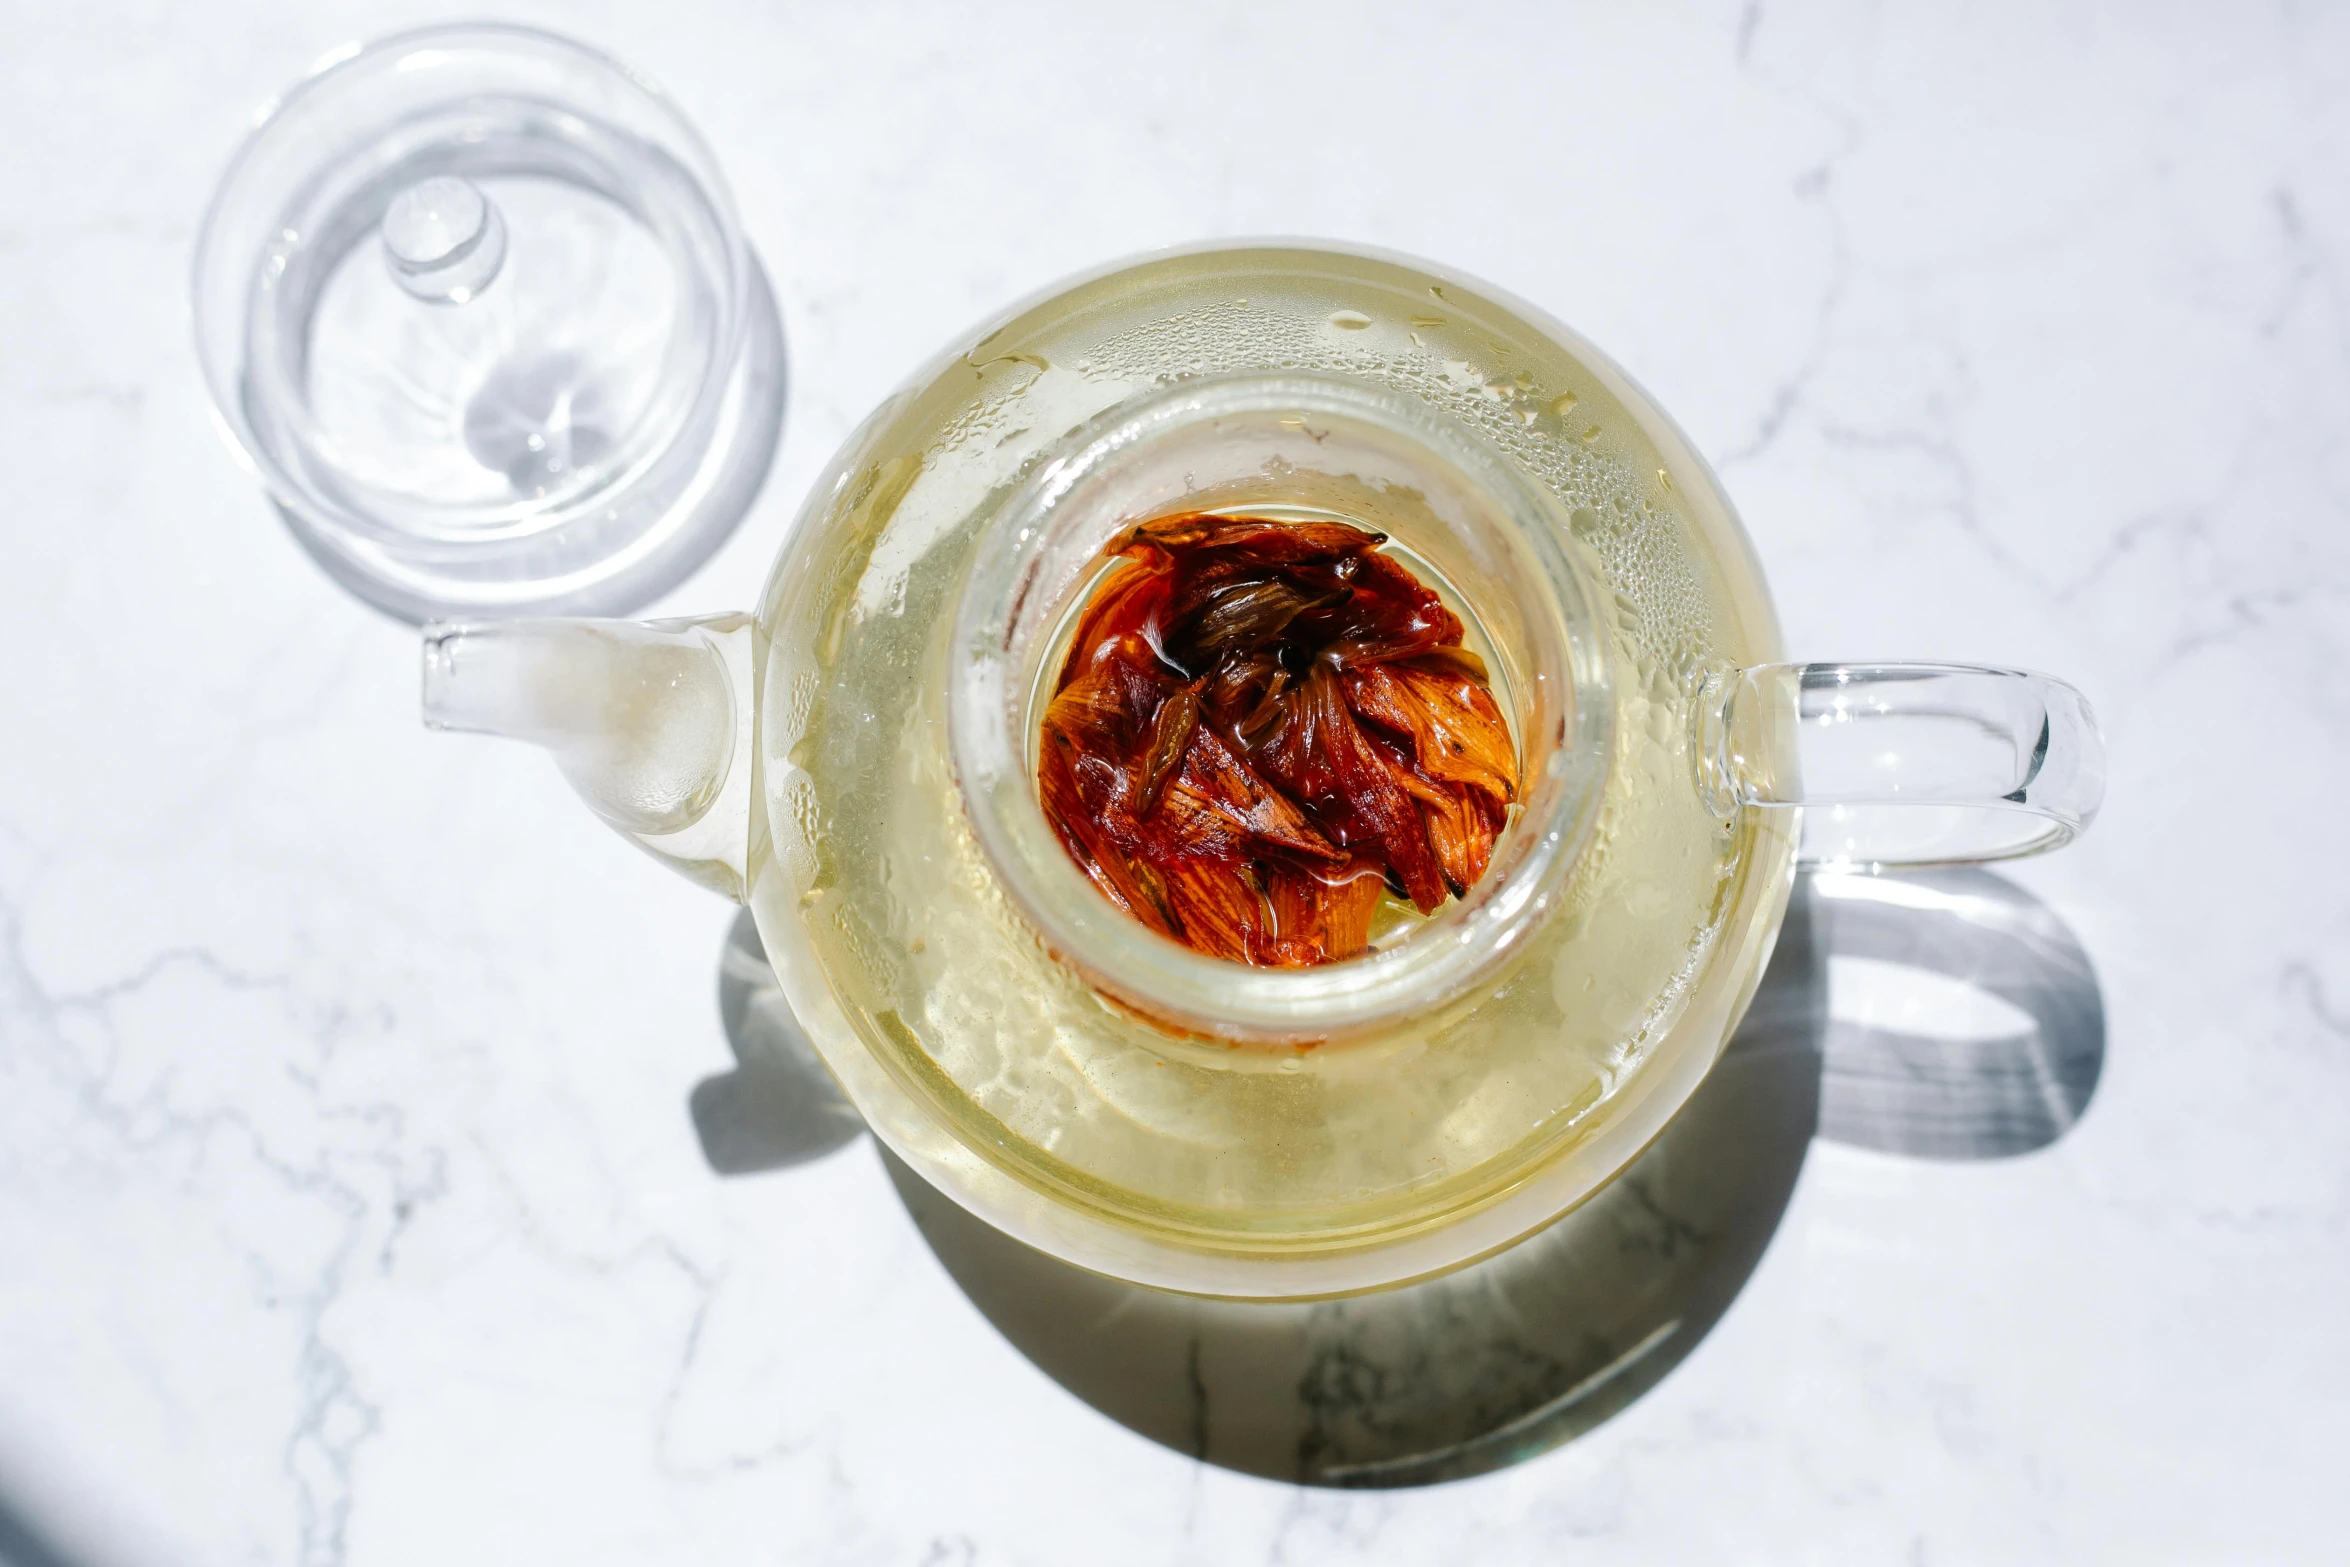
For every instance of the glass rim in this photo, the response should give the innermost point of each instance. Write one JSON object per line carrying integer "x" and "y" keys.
{"x": 1008, "y": 603}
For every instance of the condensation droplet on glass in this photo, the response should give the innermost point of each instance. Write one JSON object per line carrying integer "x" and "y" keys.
{"x": 1349, "y": 320}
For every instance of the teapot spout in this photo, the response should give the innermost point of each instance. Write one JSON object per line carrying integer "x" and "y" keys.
{"x": 650, "y": 721}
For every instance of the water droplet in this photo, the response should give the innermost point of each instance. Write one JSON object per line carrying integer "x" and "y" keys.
{"x": 1426, "y": 323}
{"x": 1590, "y": 435}
{"x": 1664, "y": 479}
{"x": 1017, "y": 357}
{"x": 1563, "y": 404}
{"x": 1349, "y": 320}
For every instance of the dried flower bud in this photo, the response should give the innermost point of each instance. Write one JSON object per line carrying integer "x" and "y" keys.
{"x": 1262, "y": 726}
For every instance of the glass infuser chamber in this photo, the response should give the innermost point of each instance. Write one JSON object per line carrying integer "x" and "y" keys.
{"x": 857, "y": 761}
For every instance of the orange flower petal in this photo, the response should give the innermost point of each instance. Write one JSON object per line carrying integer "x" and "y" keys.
{"x": 1261, "y": 728}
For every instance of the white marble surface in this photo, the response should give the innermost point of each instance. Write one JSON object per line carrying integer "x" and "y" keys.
{"x": 349, "y": 1211}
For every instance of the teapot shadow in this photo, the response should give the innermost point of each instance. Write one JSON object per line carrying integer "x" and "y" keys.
{"x": 1933, "y": 1092}
{"x": 779, "y": 1106}
{"x": 1522, "y": 1351}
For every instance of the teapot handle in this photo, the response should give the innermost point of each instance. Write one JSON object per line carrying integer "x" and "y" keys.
{"x": 1903, "y": 764}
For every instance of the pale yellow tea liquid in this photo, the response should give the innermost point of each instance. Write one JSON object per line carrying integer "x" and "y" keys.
{"x": 1224, "y": 1147}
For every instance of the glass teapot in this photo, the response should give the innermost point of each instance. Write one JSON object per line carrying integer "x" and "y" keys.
{"x": 857, "y": 761}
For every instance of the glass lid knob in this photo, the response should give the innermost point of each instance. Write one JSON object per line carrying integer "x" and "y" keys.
{"x": 443, "y": 240}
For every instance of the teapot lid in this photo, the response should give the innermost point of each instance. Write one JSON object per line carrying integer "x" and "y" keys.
{"x": 474, "y": 304}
